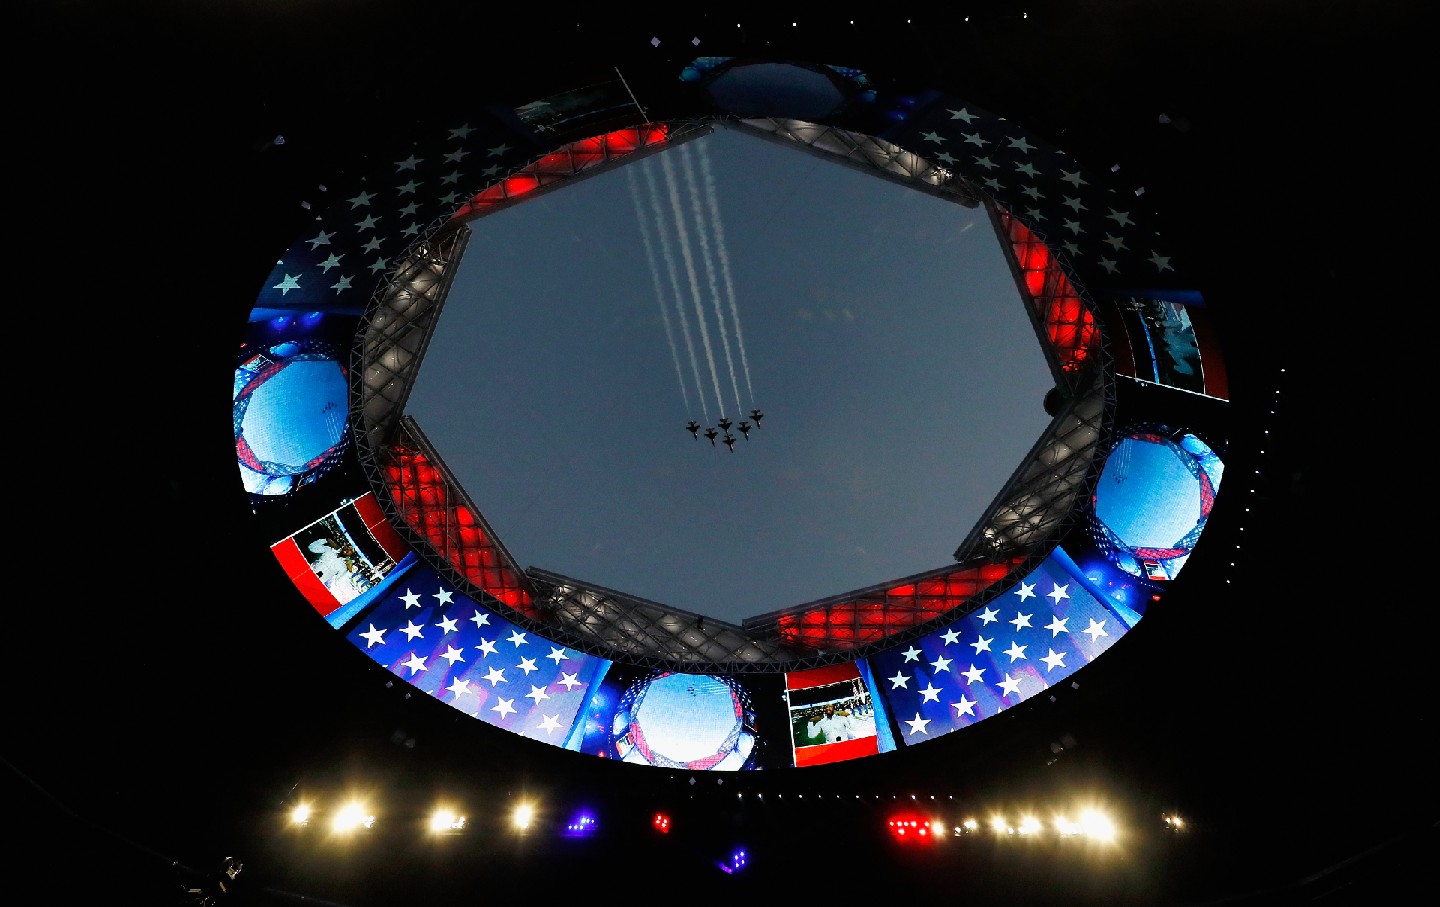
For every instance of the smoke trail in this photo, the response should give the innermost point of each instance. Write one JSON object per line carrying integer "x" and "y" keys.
{"x": 669, "y": 255}
{"x": 713, "y": 204}
{"x": 655, "y": 281}
{"x": 690, "y": 273}
{"x": 698, "y": 210}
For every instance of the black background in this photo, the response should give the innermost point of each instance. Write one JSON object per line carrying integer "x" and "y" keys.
{"x": 144, "y": 740}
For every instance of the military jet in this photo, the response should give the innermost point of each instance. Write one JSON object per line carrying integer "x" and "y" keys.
{"x": 757, "y": 416}
{"x": 744, "y": 429}
{"x": 712, "y": 434}
{"x": 725, "y": 424}
{"x": 730, "y": 441}
{"x": 694, "y": 428}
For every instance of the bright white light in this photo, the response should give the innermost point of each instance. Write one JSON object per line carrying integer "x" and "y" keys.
{"x": 524, "y": 815}
{"x": 350, "y": 817}
{"x": 300, "y": 815}
{"x": 1066, "y": 828}
{"x": 1097, "y": 825}
{"x": 446, "y": 820}
{"x": 1029, "y": 825}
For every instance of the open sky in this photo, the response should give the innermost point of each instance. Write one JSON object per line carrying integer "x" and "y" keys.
{"x": 877, "y": 328}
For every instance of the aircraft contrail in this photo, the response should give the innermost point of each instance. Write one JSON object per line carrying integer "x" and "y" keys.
{"x": 713, "y": 205}
{"x": 669, "y": 254}
{"x": 690, "y": 273}
{"x": 655, "y": 280}
{"x": 698, "y": 209}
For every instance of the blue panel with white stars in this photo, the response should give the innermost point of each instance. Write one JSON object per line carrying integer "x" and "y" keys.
{"x": 1020, "y": 644}
{"x": 463, "y": 654}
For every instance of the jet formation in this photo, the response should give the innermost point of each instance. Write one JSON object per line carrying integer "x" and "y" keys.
{"x": 723, "y": 431}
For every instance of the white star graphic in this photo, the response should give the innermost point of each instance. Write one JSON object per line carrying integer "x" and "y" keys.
{"x": 291, "y": 282}
{"x": 373, "y": 636}
{"x": 411, "y": 631}
{"x": 1057, "y": 626}
{"x": 551, "y": 723}
{"x": 459, "y": 687}
{"x": 557, "y": 654}
{"x": 499, "y": 150}
{"x": 1010, "y": 685}
{"x": 933, "y": 137}
{"x": 898, "y": 681}
{"x": 982, "y": 644}
{"x": 1026, "y": 590}
{"x": 486, "y": 647}
{"x": 940, "y": 664}
{"x": 917, "y": 725}
{"x": 1054, "y": 660}
{"x": 962, "y": 114}
{"x": 504, "y": 707}
{"x": 527, "y": 665}
{"x": 1059, "y": 592}
{"x": 1016, "y": 651}
{"x": 448, "y": 624}
{"x": 1021, "y": 621}
{"x": 495, "y": 676}
{"x": 989, "y": 616}
{"x": 931, "y": 693}
{"x": 453, "y": 655}
{"x": 411, "y": 599}
{"x": 445, "y": 596}
{"x": 569, "y": 681}
{"x": 951, "y": 635}
{"x": 517, "y": 637}
{"x": 415, "y": 663}
{"x": 1096, "y": 629}
{"x": 912, "y": 654}
{"x": 964, "y": 707}
{"x": 1161, "y": 262}
{"x": 537, "y": 694}
{"x": 480, "y": 618}
{"x": 974, "y": 674}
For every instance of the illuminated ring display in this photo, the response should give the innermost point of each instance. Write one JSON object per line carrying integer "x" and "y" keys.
{"x": 376, "y": 536}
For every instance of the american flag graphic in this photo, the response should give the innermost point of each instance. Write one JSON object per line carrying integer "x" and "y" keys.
{"x": 1020, "y": 644}
{"x": 463, "y": 654}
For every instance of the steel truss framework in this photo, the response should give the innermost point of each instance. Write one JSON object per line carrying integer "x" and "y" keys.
{"x": 424, "y": 501}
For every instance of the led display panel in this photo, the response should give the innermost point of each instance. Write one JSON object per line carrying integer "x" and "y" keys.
{"x": 352, "y": 538}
